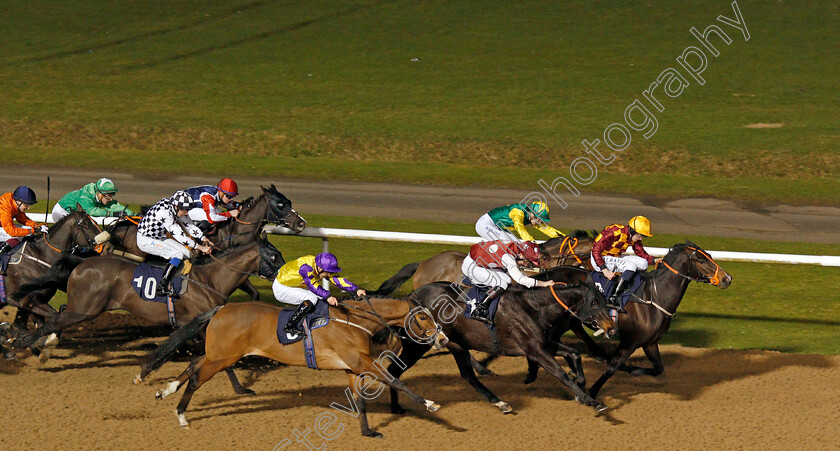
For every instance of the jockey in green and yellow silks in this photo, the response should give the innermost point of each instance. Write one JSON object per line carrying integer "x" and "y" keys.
{"x": 500, "y": 223}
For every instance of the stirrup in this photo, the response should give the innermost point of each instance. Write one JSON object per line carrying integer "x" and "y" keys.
{"x": 296, "y": 330}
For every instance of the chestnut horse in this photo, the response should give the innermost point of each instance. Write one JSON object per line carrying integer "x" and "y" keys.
{"x": 650, "y": 311}
{"x": 525, "y": 321}
{"x": 571, "y": 250}
{"x": 237, "y": 330}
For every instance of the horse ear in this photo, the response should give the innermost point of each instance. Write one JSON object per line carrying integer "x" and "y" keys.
{"x": 264, "y": 236}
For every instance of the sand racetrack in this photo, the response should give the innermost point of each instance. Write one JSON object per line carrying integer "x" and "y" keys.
{"x": 707, "y": 399}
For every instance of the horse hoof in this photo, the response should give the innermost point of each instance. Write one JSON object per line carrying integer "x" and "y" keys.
{"x": 432, "y": 406}
{"x": 182, "y": 420}
{"x": 246, "y": 391}
{"x": 504, "y": 407}
{"x": 10, "y": 355}
{"x": 398, "y": 410}
{"x": 373, "y": 434}
{"x": 529, "y": 379}
{"x": 600, "y": 407}
{"x": 160, "y": 394}
{"x": 137, "y": 380}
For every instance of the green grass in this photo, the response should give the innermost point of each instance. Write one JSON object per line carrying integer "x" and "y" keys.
{"x": 457, "y": 92}
{"x": 790, "y": 308}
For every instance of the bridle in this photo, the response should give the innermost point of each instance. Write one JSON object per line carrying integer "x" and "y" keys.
{"x": 714, "y": 279}
{"x": 92, "y": 245}
{"x": 393, "y": 330}
{"x": 570, "y": 243}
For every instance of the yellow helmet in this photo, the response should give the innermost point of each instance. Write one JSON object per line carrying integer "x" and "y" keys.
{"x": 641, "y": 225}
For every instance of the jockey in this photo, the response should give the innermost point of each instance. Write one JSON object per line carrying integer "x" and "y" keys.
{"x": 96, "y": 199}
{"x": 213, "y": 204}
{"x": 170, "y": 215}
{"x": 499, "y": 223}
{"x": 297, "y": 283}
{"x": 609, "y": 246}
{"x": 13, "y": 208}
{"x": 494, "y": 264}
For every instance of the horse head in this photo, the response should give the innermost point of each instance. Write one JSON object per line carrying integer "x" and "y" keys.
{"x": 271, "y": 260}
{"x": 699, "y": 265}
{"x": 280, "y": 210}
{"x": 593, "y": 311}
{"x": 76, "y": 231}
{"x": 421, "y": 327}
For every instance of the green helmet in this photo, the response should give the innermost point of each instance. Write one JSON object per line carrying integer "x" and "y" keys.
{"x": 540, "y": 210}
{"x": 105, "y": 186}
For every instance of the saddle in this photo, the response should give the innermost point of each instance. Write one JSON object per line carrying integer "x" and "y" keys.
{"x": 472, "y": 294}
{"x": 318, "y": 318}
{"x": 12, "y": 257}
{"x": 607, "y": 286}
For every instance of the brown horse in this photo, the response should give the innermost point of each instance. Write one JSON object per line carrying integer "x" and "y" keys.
{"x": 525, "y": 321}
{"x": 105, "y": 283}
{"x": 38, "y": 255}
{"x": 650, "y": 311}
{"x": 237, "y": 330}
{"x": 446, "y": 267}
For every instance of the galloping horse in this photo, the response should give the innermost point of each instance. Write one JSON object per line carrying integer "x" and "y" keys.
{"x": 37, "y": 255}
{"x": 446, "y": 266}
{"x": 649, "y": 317}
{"x": 525, "y": 321}
{"x": 237, "y": 330}
{"x": 270, "y": 207}
{"x": 105, "y": 283}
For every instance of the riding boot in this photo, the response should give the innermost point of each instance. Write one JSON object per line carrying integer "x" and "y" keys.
{"x": 293, "y": 326}
{"x": 482, "y": 309}
{"x": 164, "y": 288}
{"x": 614, "y": 300}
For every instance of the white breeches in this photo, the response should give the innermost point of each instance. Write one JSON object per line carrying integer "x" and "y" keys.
{"x": 58, "y": 212}
{"x": 623, "y": 263}
{"x": 5, "y": 236}
{"x": 487, "y": 229}
{"x": 292, "y": 295}
{"x": 483, "y": 276}
{"x": 167, "y": 248}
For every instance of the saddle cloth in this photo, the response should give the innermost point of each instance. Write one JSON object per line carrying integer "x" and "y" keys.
{"x": 319, "y": 318}
{"x": 607, "y": 286}
{"x": 474, "y": 295}
{"x": 145, "y": 281}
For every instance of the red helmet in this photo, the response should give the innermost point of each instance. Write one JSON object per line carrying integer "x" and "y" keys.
{"x": 531, "y": 251}
{"x": 228, "y": 186}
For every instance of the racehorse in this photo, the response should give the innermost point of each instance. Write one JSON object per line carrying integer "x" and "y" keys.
{"x": 270, "y": 207}
{"x": 237, "y": 330}
{"x": 105, "y": 283}
{"x": 649, "y": 316}
{"x": 525, "y": 321}
{"x": 76, "y": 231}
{"x": 446, "y": 266}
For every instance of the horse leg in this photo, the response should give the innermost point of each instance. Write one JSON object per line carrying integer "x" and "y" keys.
{"x": 620, "y": 357}
{"x": 533, "y": 368}
{"x": 573, "y": 359}
{"x": 652, "y": 353}
{"x": 411, "y": 353}
{"x": 202, "y": 371}
{"x": 237, "y": 387}
{"x": 364, "y": 364}
{"x": 462, "y": 358}
{"x": 46, "y": 337}
{"x": 250, "y": 289}
{"x": 592, "y": 347}
{"x": 550, "y": 364}
{"x": 173, "y": 386}
{"x": 360, "y": 405}
{"x": 481, "y": 367}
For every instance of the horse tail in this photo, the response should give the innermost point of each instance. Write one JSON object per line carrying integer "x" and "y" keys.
{"x": 396, "y": 281}
{"x": 164, "y": 352}
{"x": 56, "y": 278}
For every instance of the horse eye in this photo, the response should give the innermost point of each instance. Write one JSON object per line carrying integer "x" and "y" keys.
{"x": 280, "y": 204}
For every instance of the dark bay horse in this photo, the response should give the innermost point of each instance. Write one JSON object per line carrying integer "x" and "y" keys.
{"x": 237, "y": 330}
{"x": 270, "y": 207}
{"x": 525, "y": 321}
{"x": 105, "y": 283}
{"x": 650, "y": 311}
{"x": 75, "y": 231}
{"x": 446, "y": 267}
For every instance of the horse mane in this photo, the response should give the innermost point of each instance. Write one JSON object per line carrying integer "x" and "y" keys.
{"x": 579, "y": 233}
{"x": 247, "y": 202}
{"x": 204, "y": 259}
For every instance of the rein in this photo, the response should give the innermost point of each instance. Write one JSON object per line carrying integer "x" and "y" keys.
{"x": 560, "y": 301}
{"x": 571, "y": 243}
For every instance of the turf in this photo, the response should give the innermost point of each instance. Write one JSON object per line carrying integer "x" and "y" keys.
{"x": 463, "y": 93}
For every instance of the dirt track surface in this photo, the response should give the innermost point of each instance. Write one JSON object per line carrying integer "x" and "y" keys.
{"x": 687, "y": 217}
{"x": 707, "y": 399}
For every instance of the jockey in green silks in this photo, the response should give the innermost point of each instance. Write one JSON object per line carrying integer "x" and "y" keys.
{"x": 500, "y": 223}
{"x": 96, "y": 199}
